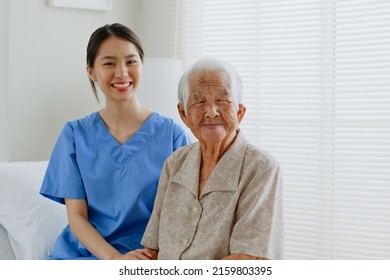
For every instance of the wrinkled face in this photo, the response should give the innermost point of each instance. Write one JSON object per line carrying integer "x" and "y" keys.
{"x": 117, "y": 69}
{"x": 211, "y": 112}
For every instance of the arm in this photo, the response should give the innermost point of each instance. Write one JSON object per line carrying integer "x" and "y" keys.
{"x": 258, "y": 232}
{"x": 151, "y": 235}
{"x": 77, "y": 212}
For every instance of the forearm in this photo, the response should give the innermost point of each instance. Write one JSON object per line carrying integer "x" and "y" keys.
{"x": 92, "y": 239}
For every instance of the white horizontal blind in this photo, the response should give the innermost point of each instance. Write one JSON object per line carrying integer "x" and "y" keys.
{"x": 362, "y": 129}
{"x": 317, "y": 88}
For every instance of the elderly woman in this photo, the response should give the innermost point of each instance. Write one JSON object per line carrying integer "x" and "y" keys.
{"x": 221, "y": 197}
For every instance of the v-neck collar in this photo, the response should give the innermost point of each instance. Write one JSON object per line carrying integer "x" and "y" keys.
{"x": 224, "y": 177}
{"x": 120, "y": 153}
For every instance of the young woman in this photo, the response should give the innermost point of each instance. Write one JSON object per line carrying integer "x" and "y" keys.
{"x": 105, "y": 167}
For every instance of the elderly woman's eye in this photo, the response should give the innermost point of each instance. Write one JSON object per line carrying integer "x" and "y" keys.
{"x": 198, "y": 102}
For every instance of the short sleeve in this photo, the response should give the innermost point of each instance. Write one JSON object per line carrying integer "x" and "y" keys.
{"x": 181, "y": 137}
{"x": 259, "y": 226}
{"x": 62, "y": 178}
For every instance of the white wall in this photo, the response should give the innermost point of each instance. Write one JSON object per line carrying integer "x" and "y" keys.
{"x": 4, "y": 35}
{"x": 155, "y": 28}
{"x": 47, "y": 82}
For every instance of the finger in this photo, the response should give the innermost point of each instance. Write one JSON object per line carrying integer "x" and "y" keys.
{"x": 142, "y": 256}
{"x": 138, "y": 255}
{"x": 146, "y": 253}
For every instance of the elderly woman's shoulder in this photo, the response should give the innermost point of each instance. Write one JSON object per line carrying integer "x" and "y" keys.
{"x": 259, "y": 156}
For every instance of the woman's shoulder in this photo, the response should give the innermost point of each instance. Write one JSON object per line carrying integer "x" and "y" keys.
{"x": 86, "y": 118}
{"x": 170, "y": 121}
{"x": 260, "y": 157}
{"x": 79, "y": 126}
{"x": 170, "y": 124}
{"x": 252, "y": 155}
{"x": 80, "y": 121}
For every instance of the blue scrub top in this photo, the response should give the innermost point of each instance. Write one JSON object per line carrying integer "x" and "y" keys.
{"x": 118, "y": 181}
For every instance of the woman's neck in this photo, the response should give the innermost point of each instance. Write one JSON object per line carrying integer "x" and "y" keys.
{"x": 123, "y": 120}
{"x": 211, "y": 153}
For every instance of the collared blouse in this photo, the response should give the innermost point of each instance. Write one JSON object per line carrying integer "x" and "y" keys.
{"x": 239, "y": 210}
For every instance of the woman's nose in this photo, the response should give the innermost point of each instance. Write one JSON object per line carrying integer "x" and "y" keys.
{"x": 121, "y": 71}
{"x": 212, "y": 110}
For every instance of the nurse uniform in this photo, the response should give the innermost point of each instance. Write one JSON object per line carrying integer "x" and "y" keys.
{"x": 118, "y": 181}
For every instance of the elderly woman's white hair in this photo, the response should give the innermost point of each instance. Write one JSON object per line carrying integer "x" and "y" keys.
{"x": 206, "y": 65}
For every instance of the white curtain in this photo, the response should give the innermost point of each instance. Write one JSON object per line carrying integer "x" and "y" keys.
{"x": 317, "y": 89}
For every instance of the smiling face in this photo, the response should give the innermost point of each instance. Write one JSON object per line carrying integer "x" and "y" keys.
{"x": 211, "y": 113}
{"x": 117, "y": 69}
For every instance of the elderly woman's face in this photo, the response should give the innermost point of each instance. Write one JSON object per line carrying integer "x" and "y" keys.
{"x": 212, "y": 114}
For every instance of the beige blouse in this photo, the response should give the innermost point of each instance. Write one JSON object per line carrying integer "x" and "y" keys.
{"x": 239, "y": 210}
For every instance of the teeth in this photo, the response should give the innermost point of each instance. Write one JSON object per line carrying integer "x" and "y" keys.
{"x": 121, "y": 85}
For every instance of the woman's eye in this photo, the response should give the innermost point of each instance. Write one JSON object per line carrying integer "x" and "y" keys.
{"x": 198, "y": 103}
{"x": 131, "y": 62}
{"x": 108, "y": 64}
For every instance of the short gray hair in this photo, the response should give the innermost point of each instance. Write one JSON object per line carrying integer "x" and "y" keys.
{"x": 211, "y": 65}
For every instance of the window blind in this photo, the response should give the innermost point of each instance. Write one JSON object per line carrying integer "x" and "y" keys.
{"x": 316, "y": 78}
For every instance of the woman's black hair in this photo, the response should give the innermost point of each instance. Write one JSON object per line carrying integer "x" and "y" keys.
{"x": 103, "y": 33}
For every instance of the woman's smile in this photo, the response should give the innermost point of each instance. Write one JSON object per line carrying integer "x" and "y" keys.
{"x": 121, "y": 86}
{"x": 212, "y": 125}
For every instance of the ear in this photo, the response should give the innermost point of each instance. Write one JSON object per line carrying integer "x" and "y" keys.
{"x": 241, "y": 112}
{"x": 90, "y": 73}
{"x": 182, "y": 113}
